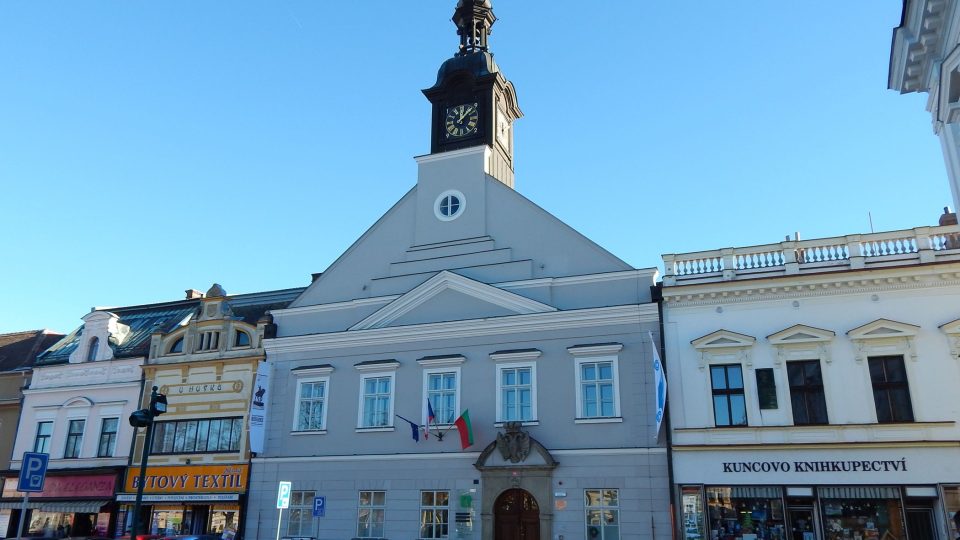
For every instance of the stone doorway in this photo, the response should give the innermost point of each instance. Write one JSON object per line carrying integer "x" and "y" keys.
{"x": 516, "y": 516}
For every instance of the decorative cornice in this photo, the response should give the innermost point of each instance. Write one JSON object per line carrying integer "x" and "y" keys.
{"x": 377, "y": 365}
{"x": 321, "y": 308}
{"x": 324, "y": 369}
{"x": 514, "y": 356}
{"x": 630, "y": 314}
{"x": 447, "y": 360}
{"x": 597, "y": 349}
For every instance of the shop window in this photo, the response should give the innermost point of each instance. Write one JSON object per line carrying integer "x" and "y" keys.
{"x": 301, "y": 514}
{"x": 891, "y": 394}
{"x": 729, "y": 404}
{"x": 370, "y": 511}
{"x": 108, "y": 437}
{"x": 739, "y": 511}
{"x": 516, "y": 392}
{"x": 376, "y": 401}
{"x": 434, "y": 514}
{"x": 602, "y": 514}
{"x": 806, "y": 392}
{"x": 691, "y": 499}
{"x": 951, "y": 503}
{"x": 197, "y": 436}
{"x": 864, "y": 512}
{"x": 42, "y": 442}
{"x": 443, "y": 394}
{"x": 241, "y": 339}
{"x": 597, "y": 387}
{"x": 311, "y": 411}
{"x": 74, "y": 439}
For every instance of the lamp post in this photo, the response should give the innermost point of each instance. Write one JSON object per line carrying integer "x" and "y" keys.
{"x": 144, "y": 418}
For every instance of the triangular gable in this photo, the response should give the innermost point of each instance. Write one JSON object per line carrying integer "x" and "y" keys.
{"x": 723, "y": 339}
{"x": 449, "y": 281}
{"x": 882, "y": 329}
{"x": 800, "y": 333}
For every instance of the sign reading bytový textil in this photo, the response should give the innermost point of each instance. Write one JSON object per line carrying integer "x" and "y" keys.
{"x": 189, "y": 479}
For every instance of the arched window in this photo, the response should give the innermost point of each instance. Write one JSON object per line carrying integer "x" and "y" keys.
{"x": 177, "y": 346}
{"x": 242, "y": 339}
{"x": 92, "y": 349}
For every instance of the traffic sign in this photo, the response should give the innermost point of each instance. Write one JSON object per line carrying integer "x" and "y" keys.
{"x": 283, "y": 496}
{"x": 33, "y": 471}
{"x": 319, "y": 506}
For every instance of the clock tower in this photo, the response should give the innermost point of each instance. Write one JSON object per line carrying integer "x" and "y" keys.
{"x": 473, "y": 103}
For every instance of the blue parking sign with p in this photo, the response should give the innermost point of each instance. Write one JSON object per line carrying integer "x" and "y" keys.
{"x": 319, "y": 506}
{"x": 33, "y": 471}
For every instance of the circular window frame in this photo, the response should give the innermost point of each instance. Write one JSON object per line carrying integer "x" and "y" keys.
{"x": 440, "y": 199}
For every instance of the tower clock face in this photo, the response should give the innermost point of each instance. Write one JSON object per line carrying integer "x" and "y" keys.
{"x": 462, "y": 120}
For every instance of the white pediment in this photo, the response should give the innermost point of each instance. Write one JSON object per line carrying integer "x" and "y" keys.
{"x": 884, "y": 337}
{"x": 952, "y": 330}
{"x": 723, "y": 339}
{"x": 452, "y": 290}
{"x": 800, "y": 333}
{"x": 883, "y": 328}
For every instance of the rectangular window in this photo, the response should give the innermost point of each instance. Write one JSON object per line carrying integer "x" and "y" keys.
{"x": 377, "y": 401}
{"x": 516, "y": 393}
{"x": 44, "y": 433}
{"x": 602, "y": 514}
{"x": 74, "y": 439}
{"x": 597, "y": 387}
{"x": 301, "y": 514}
{"x": 108, "y": 437}
{"x": 442, "y": 389}
{"x": 197, "y": 436}
{"x": 434, "y": 514}
{"x": 806, "y": 392}
{"x": 891, "y": 394}
{"x": 729, "y": 404}
{"x": 370, "y": 514}
{"x": 311, "y": 411}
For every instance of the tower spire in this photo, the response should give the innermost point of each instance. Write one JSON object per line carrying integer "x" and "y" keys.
{"x": 473, "y": 18}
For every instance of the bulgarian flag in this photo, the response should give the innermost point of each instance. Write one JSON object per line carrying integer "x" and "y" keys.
{"x": 465, "y": 429}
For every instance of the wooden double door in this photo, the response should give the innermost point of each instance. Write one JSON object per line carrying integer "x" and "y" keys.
{"x": 516, "y": 516}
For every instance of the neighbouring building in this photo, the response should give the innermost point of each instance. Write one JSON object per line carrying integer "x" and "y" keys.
{"x": 82, "y": 391}
{"x": 531, "y": 345}
{"x": 925, "y": 57}
{"x": 18, "y": 351}
{"x": 813, "y": 387}
{"x": 198, "y": 470}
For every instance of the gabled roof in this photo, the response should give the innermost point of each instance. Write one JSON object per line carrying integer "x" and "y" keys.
{"x": 19, "y": 350}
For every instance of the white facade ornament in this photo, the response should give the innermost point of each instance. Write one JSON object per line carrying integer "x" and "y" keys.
{"x": 952, "y": 330}
{"x": 884, "y": 337}
{"x": 725, "y": 346}
{"x": 801, "y": 342}
{"x": 103, "y": 328}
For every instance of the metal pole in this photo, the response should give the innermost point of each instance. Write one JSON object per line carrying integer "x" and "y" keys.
{"x": 23, "y": 513}
{"x": 144, "y": 454}
{"x": 279, "y": 521}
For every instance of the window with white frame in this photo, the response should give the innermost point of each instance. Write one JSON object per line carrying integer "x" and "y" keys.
{"x": 301, "y": 514}
{"x": 311, "y": 409}
{"x": 517, "y": 392}
{"x": 598, "y": 394}
{"x": 108, "y": 437}
{"x": 443, "y": 393}
{"x": 74, "y": 438}
{"x": 602, "y": 514}
{"x": 376, "y": 400}
{"x": 41, "y": 443}
{"x": 434, "y": 514}
{"x": 370, "y": 510}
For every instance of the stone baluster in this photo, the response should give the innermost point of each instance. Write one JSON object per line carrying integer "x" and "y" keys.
{"x": 924, "y": 242}
{"x": 855, "y": 250}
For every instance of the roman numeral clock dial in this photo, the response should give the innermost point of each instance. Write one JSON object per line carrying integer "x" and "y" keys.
{"x": 462, "y": 120}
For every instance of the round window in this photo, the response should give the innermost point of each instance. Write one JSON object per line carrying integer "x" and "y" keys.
{"x": 450, "y": 204}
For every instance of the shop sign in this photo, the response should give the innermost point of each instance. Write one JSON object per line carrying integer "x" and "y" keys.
{"x": 202, "y": 388}
{"x": 189, "y": 479}
{"x": 67, "y": 486}
{"x": 185, "y": 497}
{"x": 821, "y": 466}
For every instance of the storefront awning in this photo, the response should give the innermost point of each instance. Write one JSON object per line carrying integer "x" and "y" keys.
{"x": 859, "y": 492}
{"x": 72, "y": 507}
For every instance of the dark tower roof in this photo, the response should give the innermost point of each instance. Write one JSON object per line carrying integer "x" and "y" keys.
{"x": 474, "y": 19}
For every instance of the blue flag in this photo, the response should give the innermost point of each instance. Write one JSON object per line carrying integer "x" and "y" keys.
{"x": 660, "y": 384}
{"x": 414, "y": 428}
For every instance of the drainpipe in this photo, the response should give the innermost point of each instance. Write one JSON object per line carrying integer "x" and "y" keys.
{"x": 657, "y": 294}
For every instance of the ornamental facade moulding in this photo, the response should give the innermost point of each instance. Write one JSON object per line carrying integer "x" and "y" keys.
{"x": 952, "y": 331}
{"x": 884, "y": 337}
{"x": 801, "y": 342}
{"x": 724, "y": 346}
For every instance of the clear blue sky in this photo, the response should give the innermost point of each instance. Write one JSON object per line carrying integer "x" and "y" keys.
{"x": 151, "y": 147}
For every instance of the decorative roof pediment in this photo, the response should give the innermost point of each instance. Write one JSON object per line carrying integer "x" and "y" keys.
{"x": 444, "y": 282}
{"x": 883, "y": 328}
{"x": 884, "y": 336}
{"x": 800, "y": 333}
{"x": 723, "y": 339}
{"x": 78, "y": 402}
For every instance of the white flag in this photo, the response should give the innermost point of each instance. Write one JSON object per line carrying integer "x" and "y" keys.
{"x": 258, "y": 407}
{"x": 660, "y": 384}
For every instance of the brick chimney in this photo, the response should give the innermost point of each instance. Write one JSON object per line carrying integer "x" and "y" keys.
{"x": 193, "y": 294}
{"x": 948, "y": 217}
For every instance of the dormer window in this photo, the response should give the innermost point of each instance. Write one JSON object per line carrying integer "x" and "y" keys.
{"x": 177, "y": 346}
{"x": 241, "y": 339}
{"x": 209, "y": 341}
{"x": 92, "y": 349}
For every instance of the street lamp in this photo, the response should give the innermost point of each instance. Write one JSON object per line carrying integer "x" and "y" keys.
{"x": 138, "y": 419}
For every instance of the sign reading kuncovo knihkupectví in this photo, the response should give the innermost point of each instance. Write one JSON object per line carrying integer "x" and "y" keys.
{"x": 817, "y": 466}
{"x": 189, "y": 479}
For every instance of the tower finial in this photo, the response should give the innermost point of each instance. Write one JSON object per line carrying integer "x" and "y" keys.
{"x": 473, "y": 18}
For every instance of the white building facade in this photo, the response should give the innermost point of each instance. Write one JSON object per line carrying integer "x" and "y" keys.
{"x": 813, "y": 387}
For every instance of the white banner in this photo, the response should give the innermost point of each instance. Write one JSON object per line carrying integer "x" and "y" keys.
{"x": 660, "y": 384}
{"x": 258, "y": 407}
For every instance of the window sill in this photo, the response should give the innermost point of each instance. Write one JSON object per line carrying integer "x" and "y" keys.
{"x": 524, "y": 423}
{"x": 599, "y": 420}
{"x": 375, "y": 429}
{"x": 309, "y": 432}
